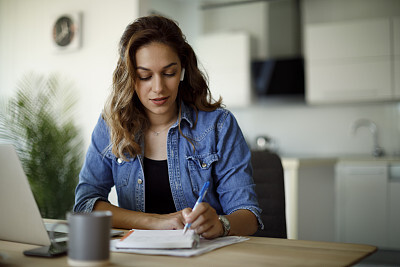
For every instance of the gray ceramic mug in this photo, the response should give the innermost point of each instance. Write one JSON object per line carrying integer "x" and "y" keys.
{"x": 89, "y": 238}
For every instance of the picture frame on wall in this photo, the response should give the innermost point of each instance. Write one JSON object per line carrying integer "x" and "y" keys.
{"x": 66, "y": 32}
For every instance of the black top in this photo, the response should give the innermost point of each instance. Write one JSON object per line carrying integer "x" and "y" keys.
{"x": 157, "y": 189}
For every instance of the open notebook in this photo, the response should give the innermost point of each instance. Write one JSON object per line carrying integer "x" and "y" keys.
{"x": 158, "y": 239}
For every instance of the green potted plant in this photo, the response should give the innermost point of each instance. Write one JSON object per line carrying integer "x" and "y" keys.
{"x": 38, "y": 121}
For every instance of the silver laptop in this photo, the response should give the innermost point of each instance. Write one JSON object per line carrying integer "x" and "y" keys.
{"x": 20, "y": 219}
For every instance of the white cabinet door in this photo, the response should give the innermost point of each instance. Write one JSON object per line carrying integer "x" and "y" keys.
{"x": 349, "y": 61}
{"x": 355, "y": 81}
{"x": 226, "y": 60}
{"x": 348, "y": 39}
{"x": 396, "y": 49}
{"x": 361, "y": 202}
{"x": 394, "y": 206}
{"x": 291, "y": 168}
{"x": 397, "y": 77}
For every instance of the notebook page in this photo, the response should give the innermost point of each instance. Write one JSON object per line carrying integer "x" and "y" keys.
{"x": 157, "y": 239}
{"x": 203, "y": 247}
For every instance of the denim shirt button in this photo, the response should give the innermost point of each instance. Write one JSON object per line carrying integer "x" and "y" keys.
{"x": 140, "y": 181}
{"x": 119, "y": 160}
{"x": 204, "y": 165}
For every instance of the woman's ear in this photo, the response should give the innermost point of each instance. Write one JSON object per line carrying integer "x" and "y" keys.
{"x": 182, "y": 74}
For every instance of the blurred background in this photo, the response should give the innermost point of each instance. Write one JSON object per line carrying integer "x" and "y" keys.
{"x": 318, "y": 79}
{"x": 313, "y": 123}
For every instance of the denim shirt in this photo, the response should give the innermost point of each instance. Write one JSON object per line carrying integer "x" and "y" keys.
{"x": 221, "y": 156}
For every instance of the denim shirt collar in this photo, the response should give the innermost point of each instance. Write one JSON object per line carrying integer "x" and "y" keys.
{"x": 187, "y": 114}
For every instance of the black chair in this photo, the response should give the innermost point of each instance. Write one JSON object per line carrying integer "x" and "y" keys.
{"x": 268, "y": 176}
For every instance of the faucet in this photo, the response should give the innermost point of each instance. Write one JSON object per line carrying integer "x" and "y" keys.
{"x": 377, "y": 150}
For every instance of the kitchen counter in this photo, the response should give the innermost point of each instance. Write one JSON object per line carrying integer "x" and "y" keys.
{"x": 310, "y": 191}
{"x": 363, "y": 158}
{"x": 289, "y": 159}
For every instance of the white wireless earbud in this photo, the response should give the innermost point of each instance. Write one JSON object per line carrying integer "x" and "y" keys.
{"x": 182, "y": 74}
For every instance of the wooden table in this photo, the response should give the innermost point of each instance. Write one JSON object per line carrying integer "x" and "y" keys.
{"x": 258, "y": 251}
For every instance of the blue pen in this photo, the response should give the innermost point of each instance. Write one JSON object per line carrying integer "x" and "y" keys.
{"x": 203, "y": 192}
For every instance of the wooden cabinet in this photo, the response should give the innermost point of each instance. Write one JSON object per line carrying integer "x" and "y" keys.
{"x": 366, "y": 209}
{"x": 351, "y": 61}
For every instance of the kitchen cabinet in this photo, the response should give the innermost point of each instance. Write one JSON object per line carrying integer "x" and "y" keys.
{"x": 290, "y": 169}
{"x": 393, "y": 206}
{"x": 396, "y": 49}
{"x": 366, "y": 195}
{"x": 309, "y": 196}
{"x": 316, "y": 205}
{"x": 227, "y": 66}
{"x": 352, "y": 61}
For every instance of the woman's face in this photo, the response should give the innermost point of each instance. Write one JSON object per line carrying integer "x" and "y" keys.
{"x": 158, "y": 70}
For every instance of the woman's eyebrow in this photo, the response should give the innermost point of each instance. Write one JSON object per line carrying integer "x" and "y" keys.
{"x": 165, "y": 67}
{"x": 169, "y": 65}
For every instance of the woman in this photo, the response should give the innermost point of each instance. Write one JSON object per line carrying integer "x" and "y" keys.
{"x": 160, "y": 138}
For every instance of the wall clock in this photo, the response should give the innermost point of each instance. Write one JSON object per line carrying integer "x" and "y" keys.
{"x": 66, "y": 32}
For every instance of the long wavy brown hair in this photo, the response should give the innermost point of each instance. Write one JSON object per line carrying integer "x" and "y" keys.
{"x": 123, "y": 111}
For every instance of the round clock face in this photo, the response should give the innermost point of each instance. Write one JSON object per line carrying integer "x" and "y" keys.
{"x": 64, "y": 31}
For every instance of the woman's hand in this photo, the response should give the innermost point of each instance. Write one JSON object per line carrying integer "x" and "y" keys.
{"x": 172, "y": 221}
{"x": 204, "y": 220}
{"x": 128, "y": 219}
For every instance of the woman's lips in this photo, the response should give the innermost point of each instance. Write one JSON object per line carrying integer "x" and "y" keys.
{"x": 159, "y": 101}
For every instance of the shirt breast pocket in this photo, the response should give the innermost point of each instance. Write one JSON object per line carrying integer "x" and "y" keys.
{"x": 121, "y": 170}
{"x": 201, "y": 169}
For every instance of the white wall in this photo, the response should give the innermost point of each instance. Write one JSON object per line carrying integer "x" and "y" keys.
{"x": 324, "y": 131}
{"x": 26, "y": 45}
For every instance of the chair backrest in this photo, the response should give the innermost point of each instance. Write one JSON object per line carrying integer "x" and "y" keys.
{"x": 268, "y": 176}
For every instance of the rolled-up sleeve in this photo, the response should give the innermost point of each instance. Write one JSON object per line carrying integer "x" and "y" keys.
{"x": 236, "y": 188}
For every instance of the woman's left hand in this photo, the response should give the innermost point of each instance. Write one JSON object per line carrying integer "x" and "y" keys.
{"x": 204, "y": 220}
